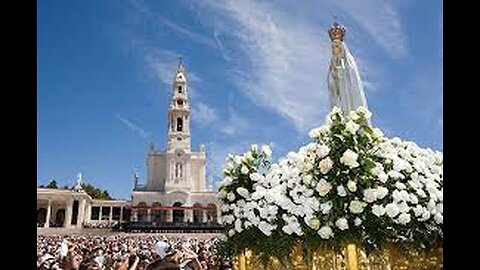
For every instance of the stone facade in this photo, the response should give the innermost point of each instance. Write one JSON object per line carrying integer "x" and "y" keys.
{"x": 175, "y": 181}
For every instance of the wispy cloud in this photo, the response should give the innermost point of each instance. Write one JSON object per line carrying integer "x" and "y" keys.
{"x": 287, "y": 56}
{"x": 380, "y": 19}
{"x": 203, "y": 114}
{"x": 235, "y": 125}
{"x": 139, "y": 6}
{"x": 223, "y": 51}
{"x": 133, "y": 127}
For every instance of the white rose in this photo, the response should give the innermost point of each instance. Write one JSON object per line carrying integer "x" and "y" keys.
{"x": 349, "y": 158}
{"x": 353, "y": 115}
{"x": 323, "y": 187}
{"x": 255, "y": 176}
{"x": 326, "y": 207}
{"x": 356, "y": 207}
{"x": 238, "y": 225}
{"x": 378, "y": 210}
{"x": 357, "y": 221}
{"x": 335, "y": 110}
{"x": 404, "y": 218}
{"x": 307, "y": 179}
{"x": 370, "y": 195}
{"x": 425, "y": 215}
{"x": 314, "y": 133}
{"x": 323, "y": 150}
{"x": 413, "y": 199}
{"x": 396, "y": 195}
{"x": 438, "y": 218}
{"x": 363, "y": 110}
{"x": 244, "y": 169}
{"x": 392, "y": 210}
{"x": 266, "y": 150}
{"x": 325, "y": 165}
{"x": 342, "y": 223}
{"x": 403, "y": 207}
{"x": 254, "y": 148}
{"x": 377, "y": 133}
{"x": 265, "y": 228}
{"x": 381, "y": 192}
{"x": 400, "y": 185}
{"x": 352, "y": 127}
{"x": 231, "y": 232}
{"x": 418, "y": 210}
{"x": 325, "y": 232}
{"x": 314, "y": 223}
{"x": 352, "y": 186}
{"x": 383, "y": 177}
{"x": 227, "y": 181}
{"x": 228, "y": 219}
{"x": 341, "y": 191}
{"x": 243, "y": 192}
{"x": 421, "y": 193}
{"x": 231, "y": 196}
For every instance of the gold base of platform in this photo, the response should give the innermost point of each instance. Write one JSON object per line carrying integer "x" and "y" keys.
{"x": 351, "y": 258}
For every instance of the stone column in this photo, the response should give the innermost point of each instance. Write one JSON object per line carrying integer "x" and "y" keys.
{"x": 121, "y": 213}
{"x": 149, "y": 215}
{"x": 219, "y": 215}
{"x": 110, "y": 216}
{"x": 68, "y": 214}
{"x": 204, "y": 215}
{"x": 88, "y": 213}
{"x": 49, "y": 212}
{"x": 81, "y": 213}
{"x": 170, "y": 215}
{"x": 100, "y": 213}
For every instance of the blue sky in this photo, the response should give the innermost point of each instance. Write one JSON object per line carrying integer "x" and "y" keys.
{"x": 257, "y": 73}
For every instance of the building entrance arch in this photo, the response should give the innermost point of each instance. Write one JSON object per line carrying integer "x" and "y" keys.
{"x": 41, "y": 216}
{"x": 59, "y": 217}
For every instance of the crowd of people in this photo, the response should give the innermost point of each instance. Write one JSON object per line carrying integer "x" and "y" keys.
{"x": 100, "y": 224}
{"x": 129, "y": 252}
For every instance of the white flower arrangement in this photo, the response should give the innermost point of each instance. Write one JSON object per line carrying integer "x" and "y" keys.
{"x": 346, "y": 185}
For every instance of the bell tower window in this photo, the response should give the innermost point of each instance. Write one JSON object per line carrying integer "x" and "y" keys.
{"x": 180, "y": 89}
{"x": 179, "y": 124}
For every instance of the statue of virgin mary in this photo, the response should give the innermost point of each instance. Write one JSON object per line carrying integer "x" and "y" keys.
{"x": 344, "y": 83}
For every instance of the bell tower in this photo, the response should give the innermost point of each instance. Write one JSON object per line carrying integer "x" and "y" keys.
{"x": 179, "y": 113}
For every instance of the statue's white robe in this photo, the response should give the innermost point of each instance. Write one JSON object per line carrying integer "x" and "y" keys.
{"x": 344, "y": 83}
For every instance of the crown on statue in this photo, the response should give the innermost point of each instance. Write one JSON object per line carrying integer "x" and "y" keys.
{"x": 337, "y": 32}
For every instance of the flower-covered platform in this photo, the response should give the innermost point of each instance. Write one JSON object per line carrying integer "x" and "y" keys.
{"x": 348, "y": 193}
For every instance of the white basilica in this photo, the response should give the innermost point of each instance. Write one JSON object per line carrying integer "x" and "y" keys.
{"x": 175, "y": 190}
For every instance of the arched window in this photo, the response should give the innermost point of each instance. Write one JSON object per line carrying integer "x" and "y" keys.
{"x": 179, "y": 124}
{"x": 179, "y": 89}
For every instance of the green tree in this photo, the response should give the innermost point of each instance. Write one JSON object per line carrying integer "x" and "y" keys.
{"x": 95, "y": 192}
{"x": 52, "y": 184}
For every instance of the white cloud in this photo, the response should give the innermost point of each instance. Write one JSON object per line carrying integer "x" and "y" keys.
{"x": 380, "y": 19}
{"x": 288, "y": 56}
{"x": 234, "y": 126}
{"x": 203, "y": 114}
{"x": 133, "y": 127}
{"x": 161, "y": 20}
